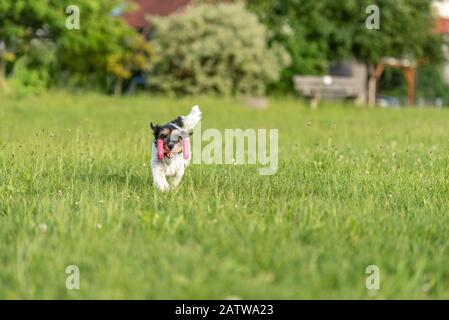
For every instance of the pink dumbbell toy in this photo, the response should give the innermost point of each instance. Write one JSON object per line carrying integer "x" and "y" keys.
{"x": 160, "y": 149}
{"x": 186, "y": 148}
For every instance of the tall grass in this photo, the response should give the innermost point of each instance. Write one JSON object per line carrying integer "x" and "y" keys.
{"x": 355, "y": 187}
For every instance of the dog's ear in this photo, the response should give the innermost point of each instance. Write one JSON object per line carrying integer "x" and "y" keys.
{"x": 156, "y": 129}
{"x": 178, "y": 121}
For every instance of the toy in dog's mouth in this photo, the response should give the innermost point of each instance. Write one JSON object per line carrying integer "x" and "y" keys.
{"x": 160, "y": 149}
{"x": 162, "y": 152}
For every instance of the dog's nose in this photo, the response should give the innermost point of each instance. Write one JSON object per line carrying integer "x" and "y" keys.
{"x": 171, "y": 145}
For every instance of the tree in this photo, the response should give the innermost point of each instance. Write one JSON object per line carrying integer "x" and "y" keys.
{"x": 317, "y": 33}
{"x": 32, "y": 71}
{"x": 308, "y": 30}
{"x": 214, "y": 48}
{"x": 406, "y": 31}
{"x": 80, "y": 52}
{"x": 135, "y": 56}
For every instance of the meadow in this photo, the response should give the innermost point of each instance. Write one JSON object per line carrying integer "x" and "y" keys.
{"x": 355, "y": 187}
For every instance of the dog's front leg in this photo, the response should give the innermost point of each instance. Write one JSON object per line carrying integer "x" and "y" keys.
{"x": 177, "y": 178}
{"x": 160, "y": 181}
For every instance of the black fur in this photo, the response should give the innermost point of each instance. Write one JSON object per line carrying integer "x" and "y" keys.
{"x": 157, "y": 128}
{"x": 178, "y": 121}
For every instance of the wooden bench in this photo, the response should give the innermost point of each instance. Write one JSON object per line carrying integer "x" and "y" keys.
{"x": 327, "y": 87}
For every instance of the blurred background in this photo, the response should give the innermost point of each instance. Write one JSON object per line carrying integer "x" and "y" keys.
{"x": 316, "y": 49}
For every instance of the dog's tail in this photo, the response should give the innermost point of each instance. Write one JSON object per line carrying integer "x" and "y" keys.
{"x": 191, "y": 120}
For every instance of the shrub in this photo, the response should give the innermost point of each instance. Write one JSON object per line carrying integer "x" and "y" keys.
{"x": 135, "y": 57}
{"x": 32, "y": 71}
{"x": 80, "y": 55}
{"x": 210, "y": 48}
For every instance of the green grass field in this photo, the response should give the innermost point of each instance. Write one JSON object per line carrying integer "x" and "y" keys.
{"x": 355, "y": 187}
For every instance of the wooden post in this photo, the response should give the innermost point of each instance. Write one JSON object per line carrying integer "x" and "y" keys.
{"x": 410, "y": 77}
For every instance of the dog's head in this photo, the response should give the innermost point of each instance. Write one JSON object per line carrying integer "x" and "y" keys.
{"x": 172, "y": 135}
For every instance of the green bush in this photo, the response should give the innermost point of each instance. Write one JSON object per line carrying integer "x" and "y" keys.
{"x": 79, "y": 56}
{"x": 218, "y": 48}
{"x": 32, "y": 71}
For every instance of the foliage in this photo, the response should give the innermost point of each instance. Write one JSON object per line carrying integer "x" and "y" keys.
{"x": 100, "y": 36}
{"x": 219, "y": 48}
{"x": 135, "y": 56}
{"x": 32, "y": 72}
{"x": 80, "y": 53}
{"x": 430, "y": 83}
{"x": 406, "y": 31}
{"x": 6, "y": 57}
{"x": 317, "y": 33}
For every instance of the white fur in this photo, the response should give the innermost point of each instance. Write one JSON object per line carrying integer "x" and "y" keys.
{"x": 191, "y": 120}
{"x": 174, "y": 167}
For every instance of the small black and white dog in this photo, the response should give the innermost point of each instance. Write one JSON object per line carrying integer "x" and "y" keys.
{"x": 171, "y": 149}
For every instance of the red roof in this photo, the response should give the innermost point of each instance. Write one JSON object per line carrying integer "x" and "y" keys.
{"x": 155, "y": 7}
{"x": 442, "y": 26}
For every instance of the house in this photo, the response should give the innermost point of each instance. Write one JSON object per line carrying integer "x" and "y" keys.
{"x": 137, "y": 17}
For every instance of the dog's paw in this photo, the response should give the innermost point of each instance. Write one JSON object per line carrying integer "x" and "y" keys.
{"x": 163, "y": 188}
{"x": 161, "y": 184}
